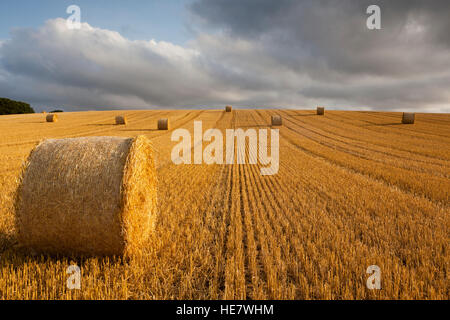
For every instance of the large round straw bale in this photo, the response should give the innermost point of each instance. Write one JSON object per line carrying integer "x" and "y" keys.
{"x": 276, "y": 120}
{"x": 87, "y": 196}
{"x": 51, "y": 118}
{"x": 163, "y": 124}
{"x": 320, "y": 111}
{"x": 121, "y": 120}
{"x": 408, "y": 117}
{"x": 228, "y": 108}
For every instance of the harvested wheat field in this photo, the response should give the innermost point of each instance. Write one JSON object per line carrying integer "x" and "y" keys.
{"x": 353, "y": 189}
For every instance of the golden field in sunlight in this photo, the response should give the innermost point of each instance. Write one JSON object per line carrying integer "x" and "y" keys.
{"x": 353, "y": 189}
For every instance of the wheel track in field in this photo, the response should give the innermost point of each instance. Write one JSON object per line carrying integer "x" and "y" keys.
{"x": 83, "y": 133}
{"x": 255, "y": 261}
{"x": 184, "y": 188}
{"x": 218, "y": 286}
{"x": 273, "y": 267}
{"x": 409, "y": 187}
{"x": 406, "y": 128}
{"x": 270, "y": 236}
{"x": 235, "y": 275}
{"x": 387, "y": 183}
{"x": 399, "y": 128}
{"x": 337, "y": 124}
{"x": 112, "y": 127}
{"x": 427, "y": 159}
{"x": 214, "y": 220}
{"x": 420, "y": 135}
{"x": 209, "y": 218}
{"x": 255, "y": 274}
{"x": 400, "y": 179}
{"x": 356, "y": 153}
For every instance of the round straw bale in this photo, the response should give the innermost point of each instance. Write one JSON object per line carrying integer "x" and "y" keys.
{"x": 163, "y": 124}
{"x": 228, "y": 108}
{"x": 51, "y": 118}
{"x": 276, "y": 120}
{"x": 87, "y": 196}
{"x": 408, "y": 117}
{"x": 320, "y": 111}
{"x": 121, "y": 120}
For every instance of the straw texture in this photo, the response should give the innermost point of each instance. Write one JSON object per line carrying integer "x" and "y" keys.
{"x": 408, "y": 117}
{"x": 87, "y": 196}
{"x": 277, "y": 121}
{"x": 51, "y": 118}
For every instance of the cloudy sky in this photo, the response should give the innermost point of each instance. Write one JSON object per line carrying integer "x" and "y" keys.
{"x": 248, "y": 53}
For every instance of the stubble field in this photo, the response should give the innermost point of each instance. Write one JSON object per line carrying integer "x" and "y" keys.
{"x": 354, "y": 189}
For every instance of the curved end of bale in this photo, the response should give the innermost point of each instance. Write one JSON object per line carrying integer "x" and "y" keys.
{"x": 121, "y": 120}
{"x": 408, "y": 118}
{"x": 163, "y": 124}
{"x": 139, "y": 182}
{"x": 51, "y": 118}
{"x": 100, "y": 196}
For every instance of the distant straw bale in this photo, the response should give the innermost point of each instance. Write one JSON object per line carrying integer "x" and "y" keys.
{"x": 87, "y": 196}
{"x": 276, "y": 120}
{"x": 320, "y": 111}
{"x": 228, "y": 108}
{"x": 121, "y": 120}
{"x": 408, "y": 117}
{"x": 163, "y": 124}
{"x": 51, "y": 118}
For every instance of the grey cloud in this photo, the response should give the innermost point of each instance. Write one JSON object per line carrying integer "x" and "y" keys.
{"x": 313, "y": 33}
{"x": 252, "y": 53}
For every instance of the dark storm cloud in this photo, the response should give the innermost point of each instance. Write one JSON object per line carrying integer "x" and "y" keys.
{"x": 321, "y": 36}
{"x": 405, "y": 64}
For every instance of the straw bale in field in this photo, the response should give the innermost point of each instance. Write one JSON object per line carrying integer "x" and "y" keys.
{"x": 121, "y": 120}
{"x": 228, "y": 108}
{"x": 276, "y": 121}
{"x": 408, "y": 117}
{"x": 320, "y": 111}
{"x": 87, "y": 196}
{"x": 51, "y": 118}
{"x": 163, "y": 124}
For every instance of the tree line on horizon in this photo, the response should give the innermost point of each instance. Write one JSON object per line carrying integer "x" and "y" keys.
{"x": 8, "y": 106}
